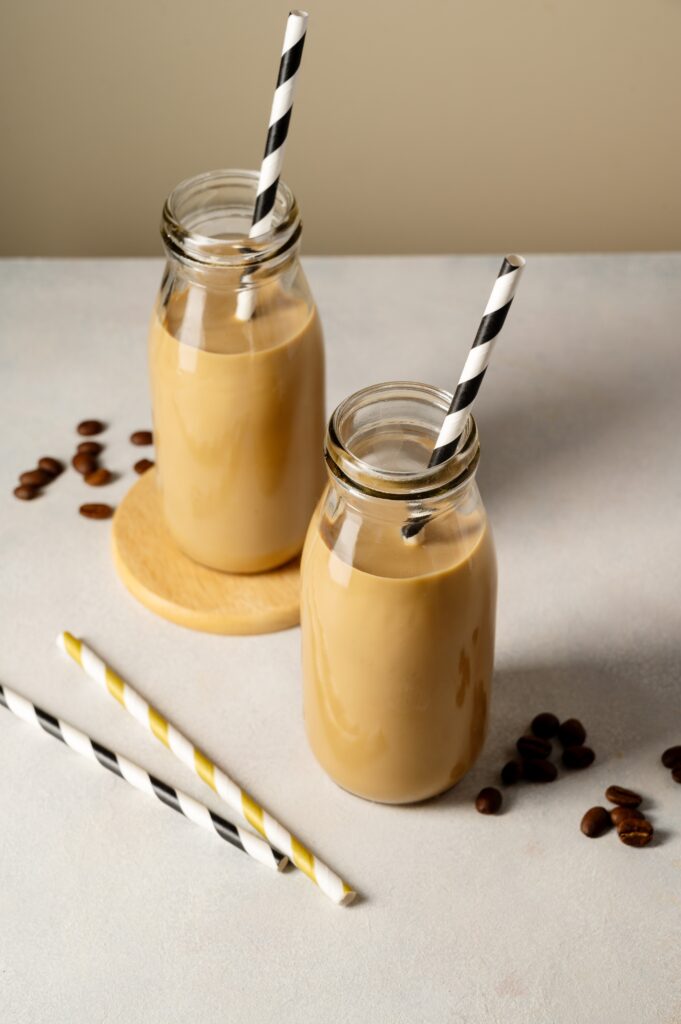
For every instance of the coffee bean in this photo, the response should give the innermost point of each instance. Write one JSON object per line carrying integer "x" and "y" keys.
{"x": 595, "y": 822}
{"x": 635, "y": 832}
{"x": 578, "y": 757}
{"x": 676, "y": 774}
{"x": 618, "y": 814}
{"x": 532, "y": 747}
{"x": 89, "y": 427}
{"x": 52, "y": 466}
{"x": 90, "y": 447}
{"x": 142, "y": 437}
{"x": 572, "y": 733}
{"x": 488, "y": 800}
{"x": 511, "y": 772}
{"x": 672, "y": 757}
{"x": 84, "y": 463}
{"x": 98, "y": 477}
{"x": 143, "y": 465}
{"x": 35, "y": 478}
{"x": 25, "y": 492}
{"x": 623, "y": 797}
{"x": 94, "y": 511}
{"x": 537, "y": 770}
{"x": 545, "y": 725}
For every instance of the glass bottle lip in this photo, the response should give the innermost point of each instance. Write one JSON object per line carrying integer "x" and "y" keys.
{"x": 399, "y": 484}
{"x": 226, "y": 197}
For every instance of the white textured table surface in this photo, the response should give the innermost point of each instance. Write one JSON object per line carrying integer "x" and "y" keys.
{"x": 112, "y": 909}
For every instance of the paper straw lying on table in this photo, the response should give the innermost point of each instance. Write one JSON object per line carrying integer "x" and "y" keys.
{"x": 237, "y": 799}
{"x": 137, "y": 777}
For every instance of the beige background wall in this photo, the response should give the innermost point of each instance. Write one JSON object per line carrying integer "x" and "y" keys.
{"x": 430, "y": 126}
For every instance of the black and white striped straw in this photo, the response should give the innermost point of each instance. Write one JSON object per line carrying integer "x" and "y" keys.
{"x": 197, "y": 812}
{"x": 280, "y": 119}
{"x": 474, "y": 369}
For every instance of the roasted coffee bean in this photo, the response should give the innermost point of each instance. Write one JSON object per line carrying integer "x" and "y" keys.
{"x": 84, "y": 463}
{"x": 52, "y": 466}
{"x": 511, "y": 772}
{"x": 572, "y": 733}
{"x": 672, "y": 757}
{"x": 618, "y": 814}
{"x": 98, "y": 477}
{"x": 143, "y": 465}
{"x": 595, "y": 822}
{"x": 90, "y": 447}
{"x": 623, "y": 797}
{"x": 533, "y": 747}
{"x": 676, "y": 774}
{"x": 142, "y": 437}
{"x": 578, "y": 757}
{"x": 635, "y": 831}
{"x": 89, "y": 427}
{"x": 539, "y": 771}
{"x": 35, "y": 477}
{"x": 94, "y": 511}
{"x": 545, "y": 725}
{"x": 488, "y": 800}
{"x": 25, "y": 492}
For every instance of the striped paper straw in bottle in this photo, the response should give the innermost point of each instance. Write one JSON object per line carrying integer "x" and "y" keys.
{"x": 452, "y": 429}
{"x": 181, "y": 802}
{"x": 241, "y": 802}
{"x": 277, "y": 132}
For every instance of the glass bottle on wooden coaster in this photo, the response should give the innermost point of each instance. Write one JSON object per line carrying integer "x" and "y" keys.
{"x": 398, "y": 634}
{"x": 237, "y": 378}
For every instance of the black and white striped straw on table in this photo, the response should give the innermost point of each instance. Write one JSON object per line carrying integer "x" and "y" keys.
{"x": 493, "y": 319}
{"x": 277, "y": 132}
{"x": 197, "y": 812}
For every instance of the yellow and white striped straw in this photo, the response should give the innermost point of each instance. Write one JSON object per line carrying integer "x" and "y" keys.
{"x": 238, "y": 799}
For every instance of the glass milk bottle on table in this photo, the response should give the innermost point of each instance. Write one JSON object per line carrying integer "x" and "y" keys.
{"x": 398, "y": 634}
{"x": 237, "y": 378}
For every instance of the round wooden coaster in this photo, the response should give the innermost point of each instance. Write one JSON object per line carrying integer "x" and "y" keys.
{"x": 170, "y": 584}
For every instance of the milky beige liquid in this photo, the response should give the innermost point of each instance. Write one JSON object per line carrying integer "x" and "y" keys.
{"x": 397, "y": 656}
{"x": 238, "y": 425}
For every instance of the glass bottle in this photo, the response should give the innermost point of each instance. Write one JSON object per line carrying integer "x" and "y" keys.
{"x": 398, "y": 632}
{"x": 237, "y": 377}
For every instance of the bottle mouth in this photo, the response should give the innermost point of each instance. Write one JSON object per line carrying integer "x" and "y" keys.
{"x": 206, "y": 220}
{"x": 379, "y": 441}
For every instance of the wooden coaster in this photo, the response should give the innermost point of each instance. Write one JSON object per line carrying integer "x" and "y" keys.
{"x": 170, "y": 584}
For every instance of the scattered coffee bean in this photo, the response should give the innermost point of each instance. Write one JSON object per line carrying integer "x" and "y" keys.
{"x": 545, "y": 725}
{"x": 52, "y": 466}
{"x": 143, "y": 465}
{"x": 488, "y": 800}
{"x": 635, "y": 832}
{"x": 98, "y": 477}
{"x": 623, "y": 797}
{"x": 90, "y": 447}
{"x": 511, "y": 772}
{"x": 578, "y": 757}
{"x": 94, "y": 511}
{"x": 676, "y": 774}
{"x": 537, "y": 770}
{"x": 84, "y": 463}
{"x": 89, "y": 427}
{"x": 672, "y": 757}
{"x": 35, "y": 478}
{"x": 572, "y": 733}
{"x": 532, "y": 747}
{"x": 141, "y": 437}
{"x": 25, "y": 492}
{"x": 595, "y": 822}
{"x": 618, "y": 814}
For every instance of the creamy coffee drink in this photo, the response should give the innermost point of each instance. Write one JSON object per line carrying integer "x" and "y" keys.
{"x": 398, "y": 648}
{"x": 238, "y": 423}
